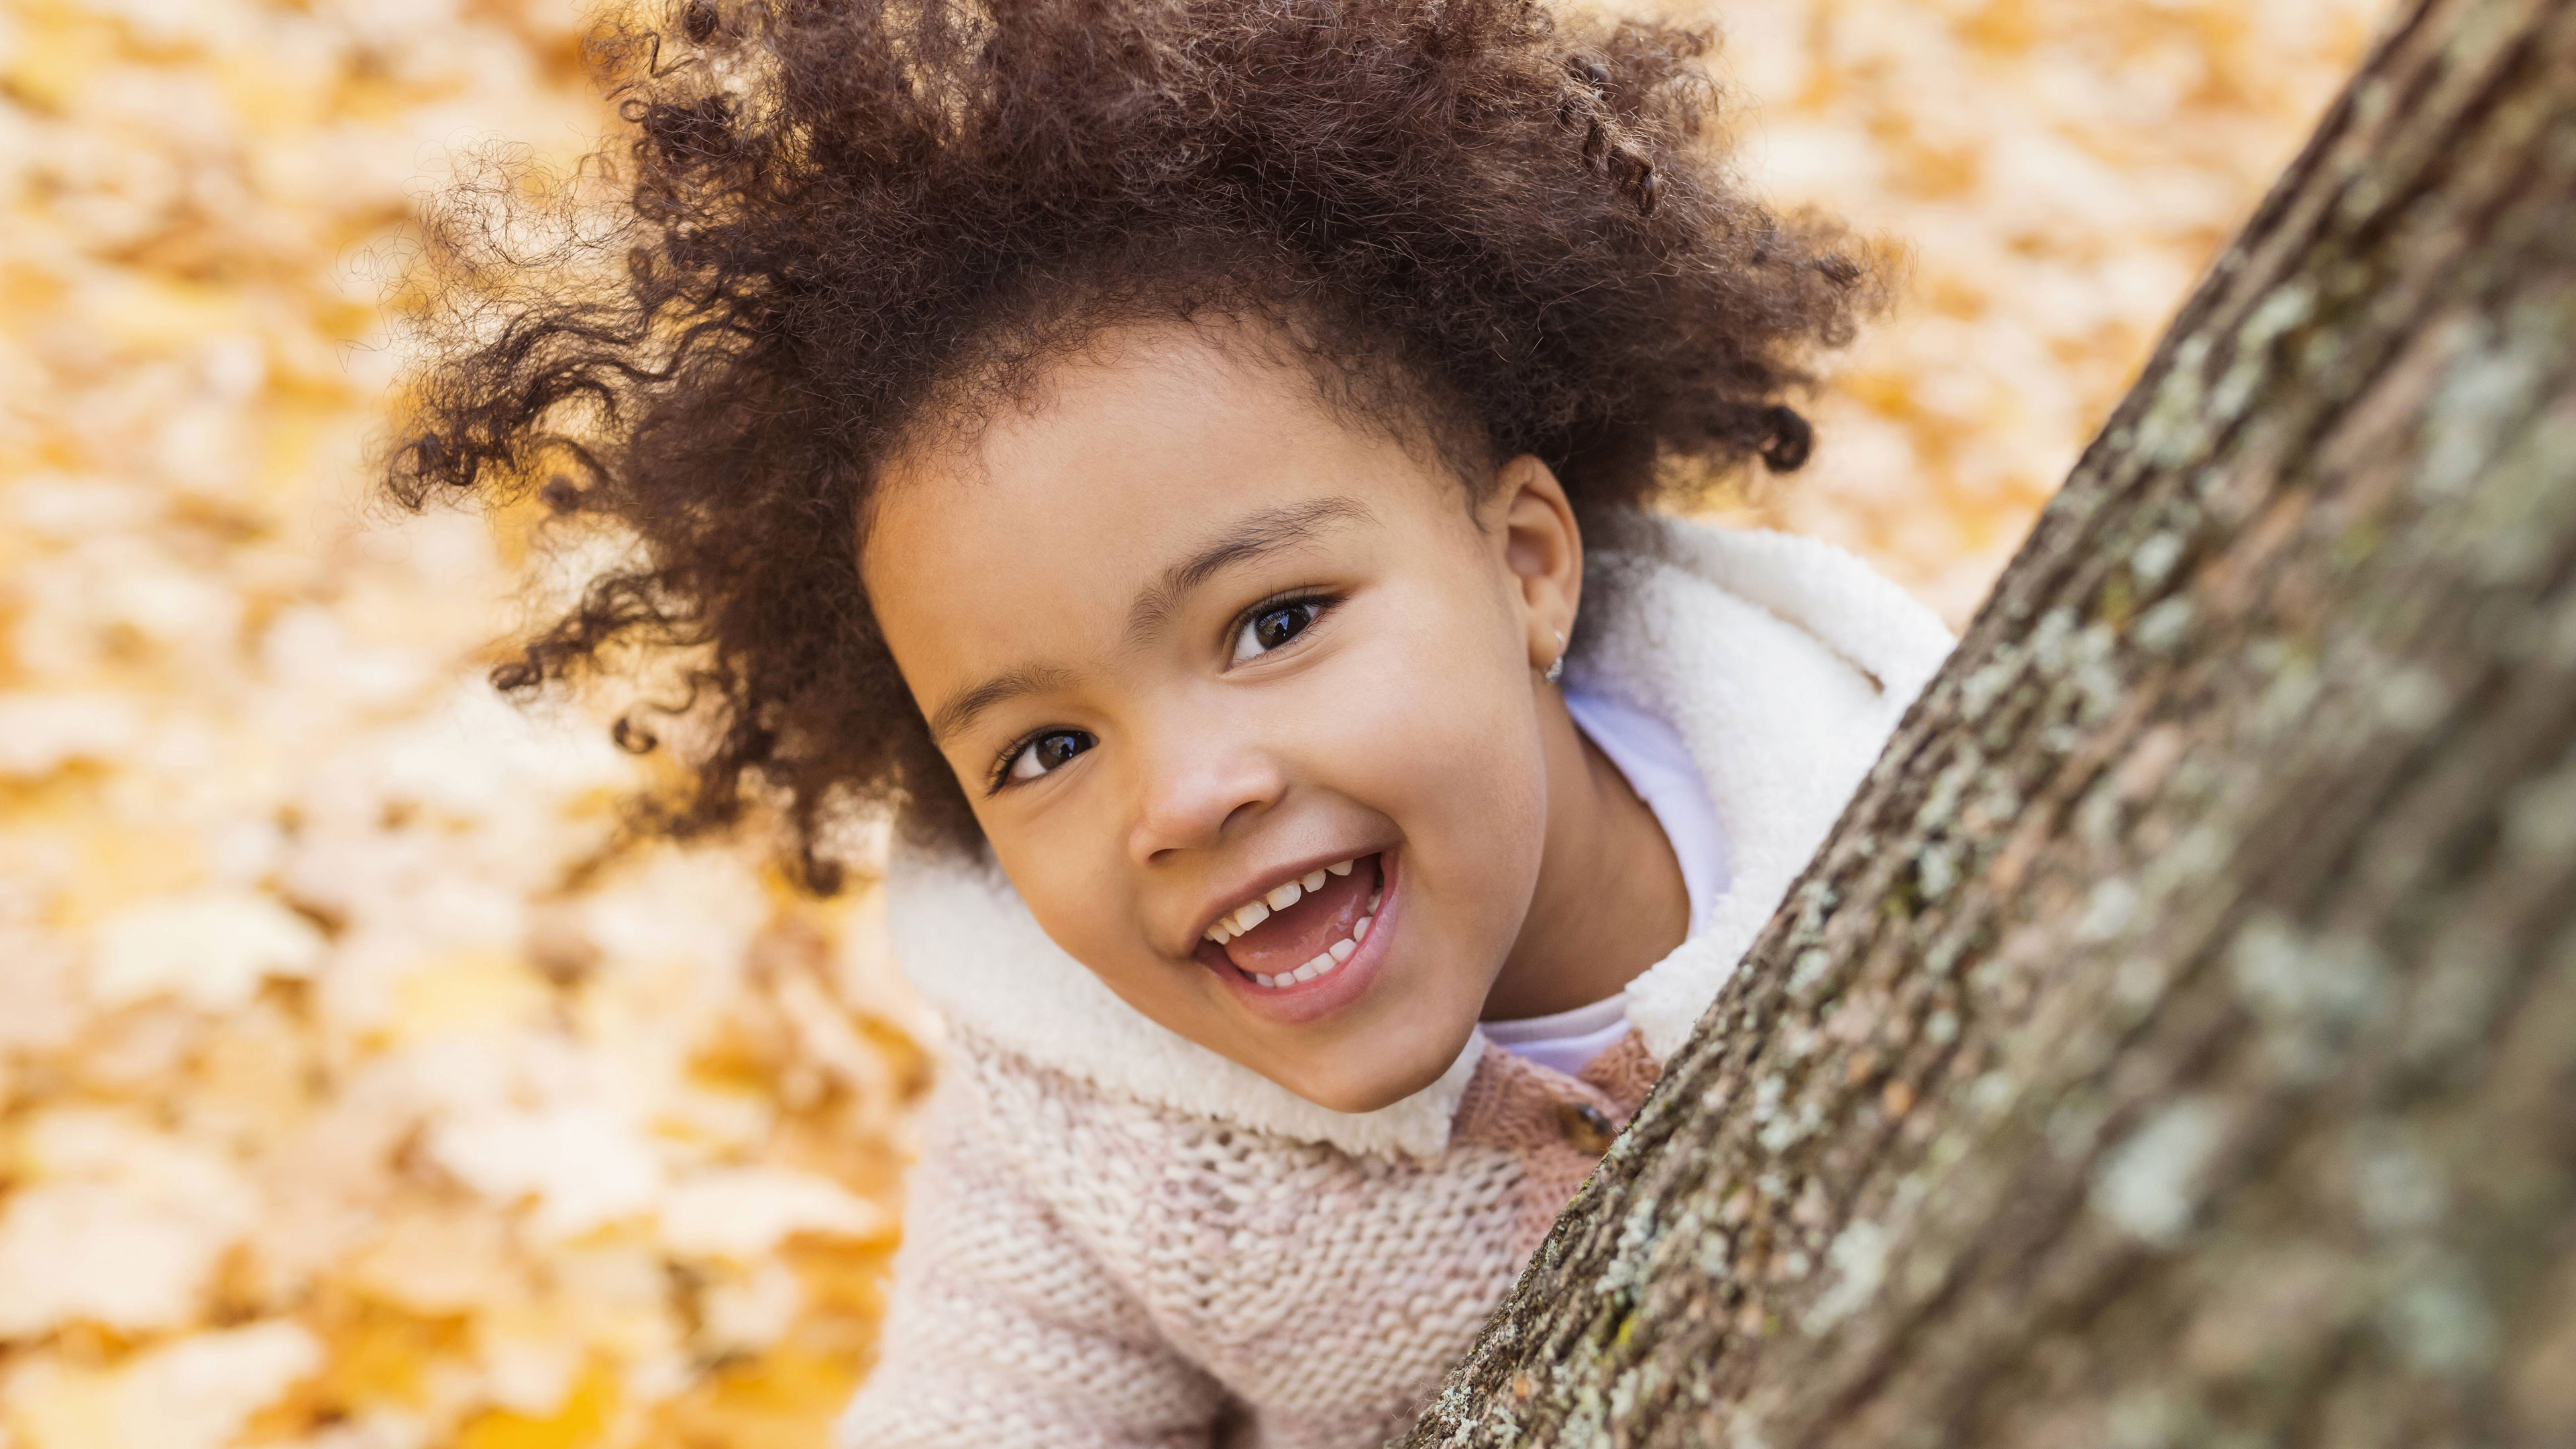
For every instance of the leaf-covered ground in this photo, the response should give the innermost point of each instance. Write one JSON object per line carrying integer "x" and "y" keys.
{"x": 349, "y": 1098}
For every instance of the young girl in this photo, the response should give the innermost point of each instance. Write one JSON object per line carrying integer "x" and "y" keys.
{"x": 1190, "y": 460}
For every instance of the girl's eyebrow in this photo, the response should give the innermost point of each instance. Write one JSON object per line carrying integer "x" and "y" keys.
{"x": 961, "y": 709}
{"x": 1266, "y": 532}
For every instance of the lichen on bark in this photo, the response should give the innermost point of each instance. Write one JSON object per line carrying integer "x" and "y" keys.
{"x": 2176, "y": 1041}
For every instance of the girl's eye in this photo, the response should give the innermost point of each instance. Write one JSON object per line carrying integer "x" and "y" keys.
{"x": 1048, "y": 752}
{"x": 1271, "y": 627}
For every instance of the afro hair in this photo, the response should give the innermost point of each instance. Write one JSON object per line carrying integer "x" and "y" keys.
{"x": 824, "y": 216}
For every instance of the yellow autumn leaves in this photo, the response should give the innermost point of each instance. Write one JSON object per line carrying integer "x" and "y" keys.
{"x": 2058, "y": 171}
{"x": 345, "y": 1099}
{"x": 351, "y": 1095}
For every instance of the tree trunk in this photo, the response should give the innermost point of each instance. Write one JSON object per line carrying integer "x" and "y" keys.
{"x": 2176, "y": 1041}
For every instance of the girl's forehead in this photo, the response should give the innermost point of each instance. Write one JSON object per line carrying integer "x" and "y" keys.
{"x": 1153, "y": 430}
{"x": 1133, "y": 475}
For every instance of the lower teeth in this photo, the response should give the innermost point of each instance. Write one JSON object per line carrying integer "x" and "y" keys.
{"x": 1323, "y": 965}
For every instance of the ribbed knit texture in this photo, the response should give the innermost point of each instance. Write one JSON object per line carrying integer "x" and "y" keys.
{"x": 1086, "y": 1269}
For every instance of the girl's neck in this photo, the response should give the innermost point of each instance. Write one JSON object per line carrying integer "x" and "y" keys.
{"x": 1610, "y": 900}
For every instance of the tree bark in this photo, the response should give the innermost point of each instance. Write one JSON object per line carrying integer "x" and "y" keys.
{"x": 2175, "y": 1043}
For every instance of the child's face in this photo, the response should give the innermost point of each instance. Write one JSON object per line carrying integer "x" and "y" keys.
{"x": 1207, "y": 659}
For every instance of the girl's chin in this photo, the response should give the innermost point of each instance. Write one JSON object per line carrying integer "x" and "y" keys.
{"x": 1343, "y": 987}
{"x": 1344, "y": 1095}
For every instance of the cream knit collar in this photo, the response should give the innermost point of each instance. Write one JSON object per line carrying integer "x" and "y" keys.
{"x": 1782, "y": 662}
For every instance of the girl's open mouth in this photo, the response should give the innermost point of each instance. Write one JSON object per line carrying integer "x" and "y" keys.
{"x": 1303, "y": 929}
{"x": 1296, "y": 941}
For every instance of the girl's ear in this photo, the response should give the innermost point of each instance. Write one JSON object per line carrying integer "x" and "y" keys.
{"x": 1543, "y": 548}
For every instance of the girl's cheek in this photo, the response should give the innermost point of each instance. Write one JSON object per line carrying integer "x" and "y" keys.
{"x": 1065, "y": 861}
{"x": 1443, "y": 741}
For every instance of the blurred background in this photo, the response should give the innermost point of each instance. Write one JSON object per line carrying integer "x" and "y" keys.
{"x": 354, "y": 1094}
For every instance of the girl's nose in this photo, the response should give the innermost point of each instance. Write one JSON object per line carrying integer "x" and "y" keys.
{"x": 1194, "y": 788}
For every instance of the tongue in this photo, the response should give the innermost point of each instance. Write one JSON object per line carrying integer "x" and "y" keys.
{"x": 1306, "y": 930}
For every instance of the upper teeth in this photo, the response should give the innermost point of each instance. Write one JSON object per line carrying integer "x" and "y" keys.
{"x": 1278, "y": 898}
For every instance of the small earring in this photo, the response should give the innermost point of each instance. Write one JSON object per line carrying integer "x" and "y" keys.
{"x": 1556, "y": 667}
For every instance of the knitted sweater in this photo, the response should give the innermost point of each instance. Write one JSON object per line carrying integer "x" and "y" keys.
{"x": 1116, "y": 1237}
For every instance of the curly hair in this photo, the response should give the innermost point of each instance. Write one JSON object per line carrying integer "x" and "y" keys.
{"x": 824, "y": 213}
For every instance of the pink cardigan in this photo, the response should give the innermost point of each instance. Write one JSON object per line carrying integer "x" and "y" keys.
{"x": 1117, "y": 1238}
